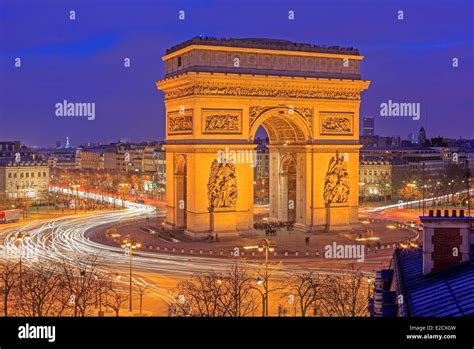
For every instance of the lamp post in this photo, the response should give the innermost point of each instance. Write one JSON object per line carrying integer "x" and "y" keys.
{"x": 468, "y": 189}
{"x": 76, "y": 187}
{"x": 131, "y": 245}
{"x": 265, "y": 246}
{"x": 369, "y": 283}
{"x": 123, "y": 188}
{"x": 20, "y": 237}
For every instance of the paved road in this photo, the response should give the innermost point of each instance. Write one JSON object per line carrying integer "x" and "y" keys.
{"x": 64, "y": 239}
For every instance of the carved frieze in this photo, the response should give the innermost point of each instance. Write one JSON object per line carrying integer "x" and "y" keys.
{"x": 336, "y": 182}
{"x": 180, "y": 122}
{"x": 332, "y": 123}
{"x": 222, "y": 185}
{"x": 222, "y": 121}
{"x": 243, "y": 91}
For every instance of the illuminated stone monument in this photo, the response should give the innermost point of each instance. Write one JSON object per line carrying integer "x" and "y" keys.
{"x": 217, "y": 94}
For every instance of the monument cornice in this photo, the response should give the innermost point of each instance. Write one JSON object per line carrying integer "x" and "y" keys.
{"x": 261, "y": 50}
{"x": 249, "y": 85}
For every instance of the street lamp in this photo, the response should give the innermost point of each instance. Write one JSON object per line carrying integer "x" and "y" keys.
{"x": 264, "y": 246}
{"x": 131, "y": 245}
{"x": 20, "y": 237}
{"x": 76, "y": 186}
{"x": 369, "y": 283}
{"x": 123, "y": 188}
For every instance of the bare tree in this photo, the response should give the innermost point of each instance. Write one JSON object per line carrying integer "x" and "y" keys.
{"x": 115, "y": 298}
{"x": 263, "y": 276}
{"x": 212, "y": 294}
{"x": 43, "y": 292}
{"x": 202, "y": 293}
{"x": 80, "y": 281}
{"x": 142, "y": 290}
{"x": 237, "y": 297}
{"x": 305, "y": 289}
{"x": 9, "y": 278}
{"x": 345, "y": 295}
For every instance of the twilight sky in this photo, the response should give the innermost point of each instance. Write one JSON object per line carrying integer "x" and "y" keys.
{"x": 82, "y": 60}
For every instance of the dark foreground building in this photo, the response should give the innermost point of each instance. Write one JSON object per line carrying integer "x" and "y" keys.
{"x": 435, "y": 280}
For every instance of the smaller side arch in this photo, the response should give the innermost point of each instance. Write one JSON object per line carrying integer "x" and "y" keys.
{"x": 180, "y": 164}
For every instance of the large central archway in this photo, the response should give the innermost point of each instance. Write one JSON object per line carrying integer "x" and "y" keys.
{"x": 218, "y": 94}
{"x": 288, "y": 134}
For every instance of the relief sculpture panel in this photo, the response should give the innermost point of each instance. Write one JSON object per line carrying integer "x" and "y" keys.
{"x": 336, "y": 182}
{"x": 222, "y": 185}
{"x": 222, "y": 121}
{"x": 332, "y": 123}
{"x": 180, "y": 122}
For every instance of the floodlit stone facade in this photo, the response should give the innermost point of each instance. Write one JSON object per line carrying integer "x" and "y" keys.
{"x": 216, "y": 99}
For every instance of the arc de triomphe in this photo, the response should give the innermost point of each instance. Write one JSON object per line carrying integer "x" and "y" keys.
{"x": 217, "y": 94}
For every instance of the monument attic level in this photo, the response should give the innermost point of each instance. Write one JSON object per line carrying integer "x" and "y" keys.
{"x": 217, "y": 94}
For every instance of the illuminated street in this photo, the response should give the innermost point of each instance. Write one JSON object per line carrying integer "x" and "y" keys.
{"x": 64, "y": 239}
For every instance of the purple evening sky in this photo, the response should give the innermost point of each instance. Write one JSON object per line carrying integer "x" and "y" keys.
{"x": 82, "y": 60}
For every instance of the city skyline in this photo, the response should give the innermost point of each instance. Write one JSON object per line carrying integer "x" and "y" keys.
{"x": 82, "y": 60}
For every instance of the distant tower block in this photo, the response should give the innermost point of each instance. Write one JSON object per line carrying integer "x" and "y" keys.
{"x": 307, "y": 98}
{"x": 368, "y": 126}
{"x": 422, "y": 136}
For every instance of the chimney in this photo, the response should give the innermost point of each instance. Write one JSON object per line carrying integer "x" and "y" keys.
{"x": 445, "y": 241}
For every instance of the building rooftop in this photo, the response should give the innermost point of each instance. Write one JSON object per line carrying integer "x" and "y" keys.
{"x": 100, "y": 149}
{"x": 10, "y": 162}
{"x": 446, "y": 293}
{"x": 413, "y": 148}
{"x": 261, "y": 43}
